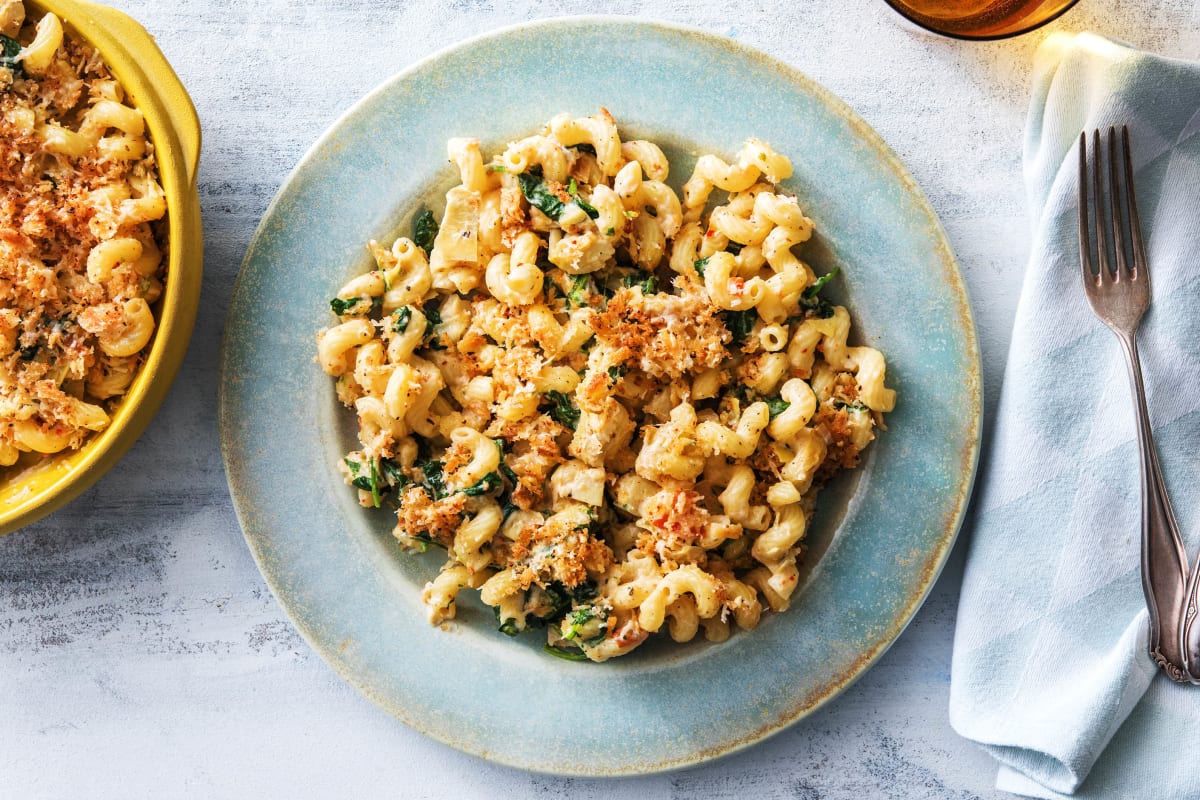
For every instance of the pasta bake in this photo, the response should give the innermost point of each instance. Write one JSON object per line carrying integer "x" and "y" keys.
{"x": 80, "y": 264}
{"x": 611, "y": 406}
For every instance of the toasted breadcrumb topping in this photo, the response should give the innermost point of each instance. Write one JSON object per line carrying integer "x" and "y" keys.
{"x": 661, "y": 334}
{"x": 70, "y": 342}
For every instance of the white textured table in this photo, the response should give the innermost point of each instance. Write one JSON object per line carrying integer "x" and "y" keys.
{"x": 141, "y": 654}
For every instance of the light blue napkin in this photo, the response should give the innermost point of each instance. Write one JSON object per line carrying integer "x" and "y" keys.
{"x": 1050, "y": 669}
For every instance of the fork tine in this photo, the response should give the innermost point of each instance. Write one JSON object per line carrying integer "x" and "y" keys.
{"x": 1105, "y": 274}
{"x": 1115, "y": 204}
{"x": 1085, "y": 241}
{"x": 1140, "y": 265}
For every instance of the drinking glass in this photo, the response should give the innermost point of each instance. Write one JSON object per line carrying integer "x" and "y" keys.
{"x": 981, "y": 19}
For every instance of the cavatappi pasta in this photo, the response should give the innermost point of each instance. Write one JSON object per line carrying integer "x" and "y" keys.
{"x": 612, "y": 411}
{"x": 79, "y": 260}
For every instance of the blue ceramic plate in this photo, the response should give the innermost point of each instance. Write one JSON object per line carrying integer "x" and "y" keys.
{"x": 880, "y": 536}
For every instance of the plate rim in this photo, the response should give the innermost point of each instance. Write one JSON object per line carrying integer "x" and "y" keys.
{"x": 963, "y": 309}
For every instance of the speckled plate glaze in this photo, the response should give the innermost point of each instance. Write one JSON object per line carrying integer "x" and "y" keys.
{"x": 880, "y": 536}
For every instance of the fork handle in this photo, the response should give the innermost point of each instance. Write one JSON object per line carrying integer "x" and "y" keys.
{"x": 1164, "y": 561}
{"x": 1189, "y": 626}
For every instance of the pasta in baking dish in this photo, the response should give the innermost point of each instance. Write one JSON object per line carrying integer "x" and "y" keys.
{"x": 80, "y": 264}
{"x": 611, "y": 410}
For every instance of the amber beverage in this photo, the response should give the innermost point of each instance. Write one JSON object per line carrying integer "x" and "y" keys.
{"x": 981, "y": 19}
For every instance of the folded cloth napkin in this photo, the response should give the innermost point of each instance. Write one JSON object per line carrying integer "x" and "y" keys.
{"x": 1051, "y": 673}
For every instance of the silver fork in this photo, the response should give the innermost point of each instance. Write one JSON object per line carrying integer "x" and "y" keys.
{"x": 1119, "y": 294}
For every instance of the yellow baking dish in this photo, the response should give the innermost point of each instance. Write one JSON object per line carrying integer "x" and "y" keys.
{"x": 153, "y": 87}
